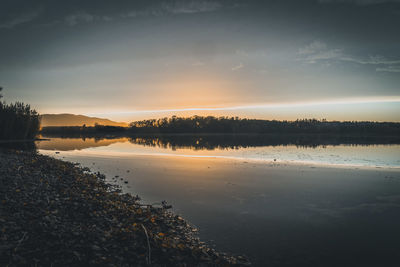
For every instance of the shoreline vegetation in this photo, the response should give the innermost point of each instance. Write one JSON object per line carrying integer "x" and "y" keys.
{"x": 18, "y": 120}
{"x": 57, "y": 213}
{"x": 232, "y": 125}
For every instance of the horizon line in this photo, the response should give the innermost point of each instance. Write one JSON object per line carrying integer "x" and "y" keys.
{"x": 387, "y": 99}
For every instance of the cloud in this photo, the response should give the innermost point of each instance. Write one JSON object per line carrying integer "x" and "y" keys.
{"x": 312, "y": 48}
{"x": 388, "y": 69}
{"x": 175, "y": 8}
{"x": 358, "y": 2}
{"x": 84, "y": 17}
{"x": 78, "y": 17}
{"x": 372, "y": 60}
{"x": 235, "y": 68}
{"x": 188, "y": 7}
{"x": 21, "y": 18}
{"x": 161, "y": 9}
{"x": 319, "y": 51}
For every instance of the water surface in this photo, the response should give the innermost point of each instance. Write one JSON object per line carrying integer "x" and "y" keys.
{"x": 281, "y": 203}
{"x": 246, "y": 148}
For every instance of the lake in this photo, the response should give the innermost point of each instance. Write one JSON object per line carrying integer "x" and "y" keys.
{"x": 281, "y": 202}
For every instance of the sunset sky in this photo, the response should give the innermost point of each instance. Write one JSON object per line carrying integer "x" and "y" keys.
{"x": 125, "y": 60}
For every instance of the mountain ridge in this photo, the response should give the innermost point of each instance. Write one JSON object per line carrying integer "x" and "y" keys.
{"x": 68, "y": 119}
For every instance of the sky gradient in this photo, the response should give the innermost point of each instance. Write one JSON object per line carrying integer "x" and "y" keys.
{"x": 124, "y": 60}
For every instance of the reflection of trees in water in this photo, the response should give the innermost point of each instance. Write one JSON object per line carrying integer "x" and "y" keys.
{"x": 211, "y": 142}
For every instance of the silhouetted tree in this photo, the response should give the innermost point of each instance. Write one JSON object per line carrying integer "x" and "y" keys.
{"x": 18, "y": 121}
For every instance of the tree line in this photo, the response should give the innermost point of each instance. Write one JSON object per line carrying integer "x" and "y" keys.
{"x": 18, "y": 120}
{"x": 232, "y": 125}
{"x": 210, "y": 124}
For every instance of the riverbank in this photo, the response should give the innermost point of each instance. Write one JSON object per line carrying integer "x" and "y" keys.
{"x": 56, "y": 213}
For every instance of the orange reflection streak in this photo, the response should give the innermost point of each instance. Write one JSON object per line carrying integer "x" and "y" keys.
{"x": 66, "y": 144}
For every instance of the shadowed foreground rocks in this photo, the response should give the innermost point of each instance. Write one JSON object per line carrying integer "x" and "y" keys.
{"x": 54, "y": 213}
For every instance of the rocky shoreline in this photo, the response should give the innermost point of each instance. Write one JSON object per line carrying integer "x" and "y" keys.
{"x": 55, "y": 213}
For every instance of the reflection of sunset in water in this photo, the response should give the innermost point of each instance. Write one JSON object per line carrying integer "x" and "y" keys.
{"x": 66, "y": 144}
{"x": 344, "y": 155}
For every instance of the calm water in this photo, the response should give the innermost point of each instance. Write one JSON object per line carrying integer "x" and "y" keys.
{"x": 282, "y": 203}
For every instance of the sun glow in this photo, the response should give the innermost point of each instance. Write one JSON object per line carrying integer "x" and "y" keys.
{"x": 376, "y": 108}
{"x": 394, "y": 99}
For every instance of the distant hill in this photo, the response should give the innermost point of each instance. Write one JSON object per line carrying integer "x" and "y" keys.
{"x": 75, "y": 120}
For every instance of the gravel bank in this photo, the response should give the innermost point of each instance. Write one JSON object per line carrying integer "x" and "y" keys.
{"x": 54, "y": 213}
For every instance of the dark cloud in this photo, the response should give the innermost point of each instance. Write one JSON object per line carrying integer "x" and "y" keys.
{"x": 318, "y": 51}
{"x": 322, "y": 47}
{"x": 389, "y": 69}
{"x": 74, "y": 12}
{"x": 160, "y": 9}
{"x": 27, "y": 16}
{"x": 359, "y": 2}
